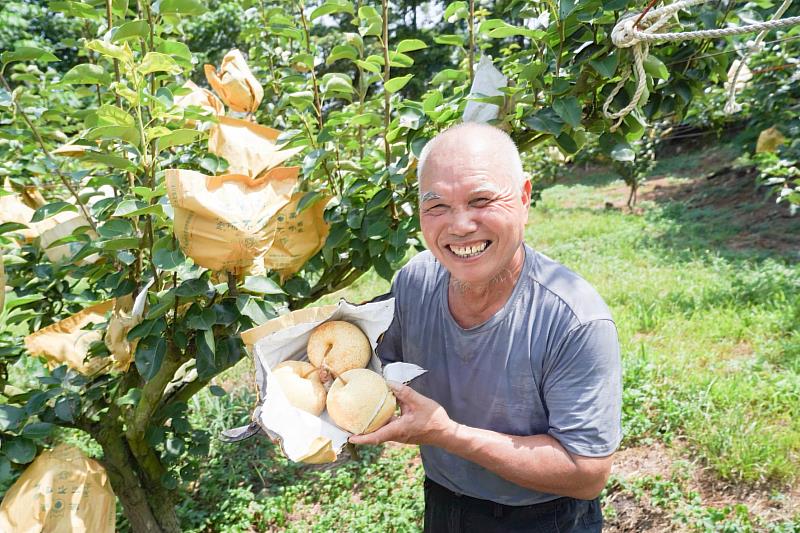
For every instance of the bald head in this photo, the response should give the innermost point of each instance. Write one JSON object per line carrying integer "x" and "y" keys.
{"x": 473, "y": 140}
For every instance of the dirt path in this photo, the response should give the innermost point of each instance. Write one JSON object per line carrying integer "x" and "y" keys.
{"x": 687, "y": 484}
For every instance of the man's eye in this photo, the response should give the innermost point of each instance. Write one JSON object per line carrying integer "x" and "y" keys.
{"x": 480, "y": 202}
{"x": 436, "y": 208}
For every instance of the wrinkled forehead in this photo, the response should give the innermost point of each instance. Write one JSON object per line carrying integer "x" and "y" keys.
{"x": 468, "y": 170}
{"x": 432, "y": 192}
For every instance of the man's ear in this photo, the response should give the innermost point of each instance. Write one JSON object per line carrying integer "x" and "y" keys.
{"x": 526, "y": 193}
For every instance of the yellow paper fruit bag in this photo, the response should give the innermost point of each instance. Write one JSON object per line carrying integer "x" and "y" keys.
{"x": 62, "y": 491}
{"x": 249, "y": 148}
{"x": 220, "y": 221}
{"x": 769, "y": 140}
{"x": 119, "y": 325}
{"x": 2, "y": 283}
{"x": 298, "y": 236}
{"x": 200, "y": 97}
{"x": 68, "y": 341}
{"x": 12, "y": 209}
{"x": 235, "y": 84}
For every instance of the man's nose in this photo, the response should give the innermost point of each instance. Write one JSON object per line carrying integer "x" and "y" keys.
{"x": 463, "y": 223}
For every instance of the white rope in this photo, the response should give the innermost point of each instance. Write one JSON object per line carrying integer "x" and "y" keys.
{"x": 626, "y": 34}
{"x": 731, "y": 106}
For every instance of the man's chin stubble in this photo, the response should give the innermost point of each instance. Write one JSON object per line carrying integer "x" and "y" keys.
{"x": 466, "y": 286}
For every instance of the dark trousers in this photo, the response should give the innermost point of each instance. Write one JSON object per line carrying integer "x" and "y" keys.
{"x": 448, "y": 512}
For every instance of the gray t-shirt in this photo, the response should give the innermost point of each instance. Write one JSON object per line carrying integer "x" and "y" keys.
{"x": 547, "y": 362}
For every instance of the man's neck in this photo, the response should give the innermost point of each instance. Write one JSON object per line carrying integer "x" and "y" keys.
{"x": 472, "y": 304}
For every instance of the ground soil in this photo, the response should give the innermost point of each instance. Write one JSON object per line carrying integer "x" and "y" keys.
{"x": 726, "y": 194}
{"x": 635, "y": 514}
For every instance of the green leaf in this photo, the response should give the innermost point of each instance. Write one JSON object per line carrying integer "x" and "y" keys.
{"x": 165, "y": 257}
{"x": 165, "y": 303}
{"x": 201, "y": 319}
{"x": 38, "y": 430}
{"x": 369, "y": 66}
{"x": 27, "y": 53}
{"x": 655, "y": 67}
{"x": 216, "y": 390}
{"x": 332, "y": 6}
{"x": 150, "y": 354}
{"x": 410, "y": 45}
{"x": 337, "y": 83}
{"x": 11, "y": 417}
{"x": 115, "y": 228}
{"x": 455, "y": 11}
{"x": 110, "y": 115}
{"x": 449, "y": 74}
{"x": 135, "y": 29}
{"x": 545, "y": 120}
{"x": 182, "y": 7}
{"x": 8, "y": 227}
{"x": 606, "y": 66}
{"x": 178, "y": 51}
{"x": 158, "y": 62}
{"x": 569, "y": 109}
{"x": 192, "y": 288}
{"x": 125, "y": 243}
{"x": 123, "y": 53}
{"x": 51, "y": 209}
{"x": 450, "y": 40}
{"x": 341, "y": 51}
{"x": 135, "y": 208}
{"x": 179, "y": 137}
{"x": 395, "y": 84}
{"x": 67, "y": 407}
{"x": 261, "y": 285}
{"x": 567, "y": 143}
{"x": 147, "y": 328}
{"x": 308, "y": 199}
{"x": 206, "y": 365}
{"x": 19, "y": 450}
{"x": 113, "y": 133}
{"x": 86, "y": 74}
{"x": 565, "y": 8}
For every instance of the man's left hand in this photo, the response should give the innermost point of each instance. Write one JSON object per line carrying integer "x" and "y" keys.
{"x": 422, "y": 421}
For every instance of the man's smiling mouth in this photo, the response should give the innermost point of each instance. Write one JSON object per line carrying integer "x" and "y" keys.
{"x": 472, "y": 250}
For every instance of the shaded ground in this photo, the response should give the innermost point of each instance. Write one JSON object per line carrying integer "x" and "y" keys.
{"x": 681, "y": 483}
{"x": 707, "y": 188}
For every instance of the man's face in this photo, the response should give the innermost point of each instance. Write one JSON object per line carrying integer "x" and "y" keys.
{"x": 472, "y": 212}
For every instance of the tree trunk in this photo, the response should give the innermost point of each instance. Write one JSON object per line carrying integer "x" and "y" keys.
{"x": 148, "y": 506}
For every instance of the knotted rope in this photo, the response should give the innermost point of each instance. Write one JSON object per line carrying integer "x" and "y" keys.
{"x": 628, "y": 34}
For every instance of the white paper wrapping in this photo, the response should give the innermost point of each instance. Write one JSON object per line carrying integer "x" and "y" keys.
{"x": 299, "y": 432}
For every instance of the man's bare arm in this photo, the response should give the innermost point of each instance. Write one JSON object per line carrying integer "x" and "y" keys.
{"x": 537, "y": 462}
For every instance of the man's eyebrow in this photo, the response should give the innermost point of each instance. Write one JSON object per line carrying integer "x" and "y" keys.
{"x": 430, "y": 195}
{"x": 485, "y": 189}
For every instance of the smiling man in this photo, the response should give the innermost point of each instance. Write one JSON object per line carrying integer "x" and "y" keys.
{"x": 519, "y": 413}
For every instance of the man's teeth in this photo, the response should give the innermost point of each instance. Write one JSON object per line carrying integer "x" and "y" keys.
{"x": 469, "y": 251}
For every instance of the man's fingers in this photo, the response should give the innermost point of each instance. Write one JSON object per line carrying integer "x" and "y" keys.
{"x": 378, "y": 436}
{"x": 404, "y": 393}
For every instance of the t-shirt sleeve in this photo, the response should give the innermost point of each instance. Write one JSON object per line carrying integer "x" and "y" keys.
{"x": 390, "y": 346}
{"x": 582, "y": 388}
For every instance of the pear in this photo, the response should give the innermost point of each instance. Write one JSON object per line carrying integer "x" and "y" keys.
{"x": 338, "y": 346}
{"x": 301, "y": 385}
{"x": 360, "y": 401}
